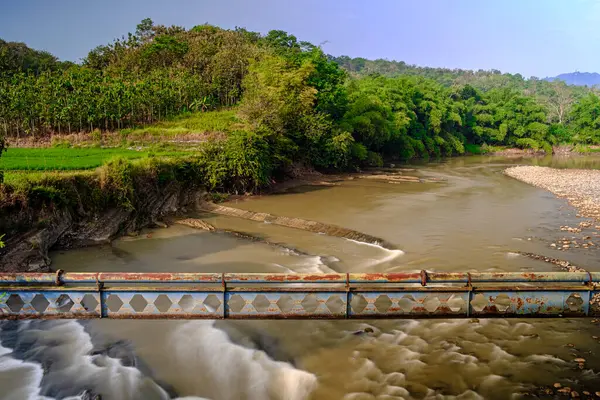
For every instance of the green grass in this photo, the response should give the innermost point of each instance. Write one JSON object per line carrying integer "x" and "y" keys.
{"x": 52, "y": 159}
{"x": 223, "y": 121}
{"x": 19, "y": 179}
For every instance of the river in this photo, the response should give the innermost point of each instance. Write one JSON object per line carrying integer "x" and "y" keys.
{"x": 475, "y": 219}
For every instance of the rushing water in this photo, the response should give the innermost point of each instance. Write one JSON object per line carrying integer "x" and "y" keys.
{"x": 475, "y": 220}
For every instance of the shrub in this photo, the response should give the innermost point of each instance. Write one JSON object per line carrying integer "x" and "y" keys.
{"x": 97, "y": 137}
{"x": 374, "y": 159}
{"x": 60, "y": 143}
{"x": 243, "y": 162}
{"x": 359, "y": 152}
{"x": 473, "y": 148}
{"x": 561, "y": 133}
{"x": 116, "y": 181}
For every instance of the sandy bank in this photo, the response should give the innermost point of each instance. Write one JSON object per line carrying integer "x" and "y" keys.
{"x": 581, "y": 187}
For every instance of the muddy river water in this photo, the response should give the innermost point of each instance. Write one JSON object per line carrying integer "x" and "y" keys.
{"x": 476, "y": 219}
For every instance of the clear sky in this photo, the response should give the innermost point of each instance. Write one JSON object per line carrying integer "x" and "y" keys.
{"x": 532, "y": 37}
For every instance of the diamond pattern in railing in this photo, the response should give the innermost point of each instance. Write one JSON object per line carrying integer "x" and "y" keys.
{"x": 114, "y": 303}
{"x": 15, "y": 303}
{"x": 89, "y": 302}
{"x": 64, "y": 303}
{"x": 406, "y": 303}
{"x": 456, "y": 303}
{"x": 358, "y": 303}
{"x": 479, "y": 302}
{"x": 528, "y": 303}
{"x": 187, "y": 303}
{"x": 574, "y": 302}
{"x": 212, "y": 304}
{"x": 163, "y": 303}
{"x": 336, "y": 305}
{"x": 40, "y": 303}
{"x": 383, "y": 303}
{"x": 284, "y": 305}
{"x": 138, "y": 302}
{"x": 193, "y": 304}
{"x": 236, "y": 303}
{"x": 51, "y": 303}
{"x": 502, "y": 302}
{"x": 261, "y": 303}
{"x": 310, "y": 303}
{"x": 399, "y": 303}
{"x": 432, "y": 303}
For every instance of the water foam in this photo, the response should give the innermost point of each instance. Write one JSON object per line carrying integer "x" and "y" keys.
{"x": 217, "y": 368}
{"x": 389, "y": 254}
{"x": 59, "y": 360}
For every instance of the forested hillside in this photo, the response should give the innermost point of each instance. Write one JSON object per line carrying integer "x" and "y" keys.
{"x": 578, "y": 78}
{"x": 292, "y": 102}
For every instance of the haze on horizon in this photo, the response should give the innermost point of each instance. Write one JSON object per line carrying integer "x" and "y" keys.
{"x": 534, "y": 38}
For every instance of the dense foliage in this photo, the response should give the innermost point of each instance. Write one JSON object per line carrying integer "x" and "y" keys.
{"x": 294, "y": 104}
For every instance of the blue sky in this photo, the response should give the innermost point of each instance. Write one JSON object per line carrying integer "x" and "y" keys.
{"x": 532, "y": 37}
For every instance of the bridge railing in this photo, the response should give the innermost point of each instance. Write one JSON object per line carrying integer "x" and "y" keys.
{"x": 329, "y": 296}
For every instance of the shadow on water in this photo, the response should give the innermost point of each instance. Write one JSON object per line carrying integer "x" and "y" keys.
{"x": 144, "y": 254}
{"x": 301, "y": 189}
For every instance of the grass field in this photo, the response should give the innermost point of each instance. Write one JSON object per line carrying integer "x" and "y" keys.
{"x": 56, "y": 159}
{"x": 18, "y": 160}
{"x": 221, "y": 121}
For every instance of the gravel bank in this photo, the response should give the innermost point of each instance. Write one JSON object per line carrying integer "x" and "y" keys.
{"x": 581, "y": 187}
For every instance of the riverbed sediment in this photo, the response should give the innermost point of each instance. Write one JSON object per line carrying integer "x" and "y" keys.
{"x": 581, "y": 187}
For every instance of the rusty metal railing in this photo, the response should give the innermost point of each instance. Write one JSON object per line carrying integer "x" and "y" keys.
{"x": 329, "y": 296}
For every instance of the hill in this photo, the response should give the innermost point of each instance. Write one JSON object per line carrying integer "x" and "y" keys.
{"x": 578, "y": 78}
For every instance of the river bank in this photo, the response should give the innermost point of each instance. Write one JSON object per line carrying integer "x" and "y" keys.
{"x": 581, "y": 187}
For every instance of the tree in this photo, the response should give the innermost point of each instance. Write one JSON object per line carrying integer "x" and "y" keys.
{"x": 370, "y": 121}
{"x": 277, "y": 95}
{"x": 145, "y": 30}
{"x": 585, "y": 120}
{"x": 560, "y": 100}
{"x": 17, "y": 57}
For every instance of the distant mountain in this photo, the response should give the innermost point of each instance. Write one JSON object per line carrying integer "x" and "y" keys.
{"x": 578, "y": 78}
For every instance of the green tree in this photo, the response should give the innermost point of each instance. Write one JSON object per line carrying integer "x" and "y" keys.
{"x": 585, "y": 120}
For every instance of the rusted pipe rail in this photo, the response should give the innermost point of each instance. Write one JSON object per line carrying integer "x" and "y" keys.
{"x": 329, "y": 296}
